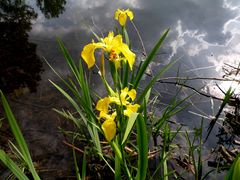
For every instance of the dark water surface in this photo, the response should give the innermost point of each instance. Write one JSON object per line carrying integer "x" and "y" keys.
{"x": 204, "y": 35}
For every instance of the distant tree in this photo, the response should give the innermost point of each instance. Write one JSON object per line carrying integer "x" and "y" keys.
{"x": 20, "y": 66}
{"x": 51, "y": 8}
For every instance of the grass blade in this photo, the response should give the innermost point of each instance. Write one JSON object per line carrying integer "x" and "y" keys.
{"x": 151, "y": 83}
{"x": 226, "y": 99}
{"x": 12, "y": 166}
{"x": 83, "y": 94}
{"x": 19, "y": 137}
{"x": 150, "y": 57}
{"x": 142, "y": 141}
{"x": 129, "y": 126}
{"x": 77, "y": 172}
{"x": 84, "y": 166}
{"x": 69, "y": 59}
{"x": 78, "y": 73}
{"x": 87, "y": 121}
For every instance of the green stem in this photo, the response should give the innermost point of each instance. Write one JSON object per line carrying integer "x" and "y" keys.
{"x": 117, "y": 175}
{"x": 165, "y": 168}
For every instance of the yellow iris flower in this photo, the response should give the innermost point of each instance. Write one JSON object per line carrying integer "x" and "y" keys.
{"x": 122, "y": 99}
{"x": 126, "y": 94}
{"x": 109, "y": 125}
{"x": 111, "y": 44}
{"x": 121, "y": 16}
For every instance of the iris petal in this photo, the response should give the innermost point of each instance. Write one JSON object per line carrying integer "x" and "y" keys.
{"x": 130, "y": 14}
{"x": 103, "y": 104}
{"x": 129, "y": 55}
{"x": 131, "y": 108}
{"x": 132, "y": 94}
{"x": 122, "y": 18}
{"x": 117, "y": 12}
{"x": 108, "y": 41}
{"x": 88, "y": 53}
{"x": 109, "y": 129}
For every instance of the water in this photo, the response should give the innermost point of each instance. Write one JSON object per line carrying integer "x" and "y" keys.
{"x": 205, "y": 34}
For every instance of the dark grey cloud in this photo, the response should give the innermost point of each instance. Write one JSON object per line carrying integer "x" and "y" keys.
{"x": 205, "y": 33}
{"x": 202, "y": 24}
{"x": 205, "y": 16}
{"x": 152, "y": 17}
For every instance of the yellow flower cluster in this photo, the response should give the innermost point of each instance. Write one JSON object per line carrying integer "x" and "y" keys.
{"x": 116, "y": 51}
{"x": 124, "y": 100}
{"x": 113, "y": 45}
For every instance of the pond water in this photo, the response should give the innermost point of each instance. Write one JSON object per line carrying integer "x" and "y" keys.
{"x": 204, "y": 35}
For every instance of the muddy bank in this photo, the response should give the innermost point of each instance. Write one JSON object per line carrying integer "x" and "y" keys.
{"x": 40, "y": 127}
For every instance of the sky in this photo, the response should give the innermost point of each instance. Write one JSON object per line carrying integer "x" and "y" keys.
{"x": 203, "y": 34}
{"x": 206, "y": 33}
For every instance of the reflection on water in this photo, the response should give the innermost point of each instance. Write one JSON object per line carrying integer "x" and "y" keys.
{"x": 20, "y": 73}
{"x": 204, "y": 33}
{"x": 20, "y": 66}
{"x": 51, "y": 8}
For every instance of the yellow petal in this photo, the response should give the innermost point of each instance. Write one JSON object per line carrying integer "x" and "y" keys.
{"x": 121, "y": 16}
{"x": 130, "y": 14}
{"x": 117, "y": 12}
{"x": 103, "y": 104}
{"x": 112, "y": 43}
{"x": 116, "y": 42}
{"x": 124, "y": 93}
{"x": 109, "y": 129}
{"x": 113, "y": 115}
{"x": 88, "y": 53}
{"x": 131, "y": 108}
{"x": 104, "y": 115}
{"x": 116, "y": 46}
{"x": 108, "y": 40}
{"x": 132, "y": 94}
{"x": 107, "y": 116}
{"x": 128, "y": 54}
{"x": 115, "y": 100}
{"x": 123, "y": 96}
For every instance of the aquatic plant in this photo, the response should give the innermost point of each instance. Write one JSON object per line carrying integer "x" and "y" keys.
{"x": 123, "y": 113}
{"x": 118, "y": 128}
